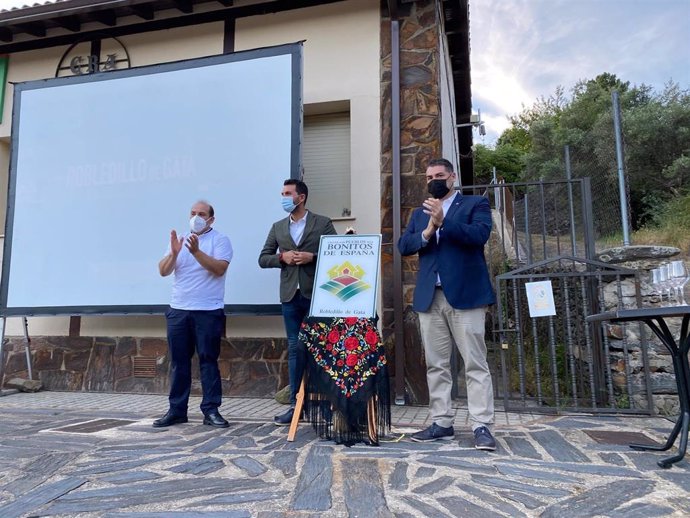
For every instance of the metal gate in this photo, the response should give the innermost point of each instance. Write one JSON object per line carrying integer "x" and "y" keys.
{"x": 561, "y": 362}
{"x": 544, "y": 231}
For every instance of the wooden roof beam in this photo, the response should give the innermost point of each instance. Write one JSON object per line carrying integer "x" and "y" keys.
{"x": 71, "y": 23}
{"x": 143, "y": 11}
{"x": 6, "y": 34}
{"x": 184, "y": 6}
{"x": 106, "y": 17}
{"x": 36, "y": 29}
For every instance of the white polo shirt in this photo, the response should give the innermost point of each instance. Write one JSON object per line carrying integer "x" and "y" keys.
{"x": 194, "y": 287}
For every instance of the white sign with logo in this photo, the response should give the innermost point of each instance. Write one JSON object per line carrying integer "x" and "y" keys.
{"x": 540, "y": 299}
{"x": 347, "y": 272}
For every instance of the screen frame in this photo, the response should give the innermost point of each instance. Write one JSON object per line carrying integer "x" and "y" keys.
{"x": 295, "y": 50}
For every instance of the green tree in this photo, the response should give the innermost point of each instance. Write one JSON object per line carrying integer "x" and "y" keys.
{"x": 657, "y": 147}
{"x": 505, "y": 158}
{"x": 656, "y": 129}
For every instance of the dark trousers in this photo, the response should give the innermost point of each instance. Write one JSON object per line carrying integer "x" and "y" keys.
{"x": 294, "y": 313}
{"x": 190, "y": 331}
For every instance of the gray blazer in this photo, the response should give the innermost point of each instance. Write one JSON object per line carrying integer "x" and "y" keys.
{"x": 280, "y": 240}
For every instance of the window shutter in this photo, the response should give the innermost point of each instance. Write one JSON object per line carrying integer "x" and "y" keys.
{"x": 326, "y": 158}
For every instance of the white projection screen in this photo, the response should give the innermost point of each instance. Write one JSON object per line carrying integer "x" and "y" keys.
{"x": 104, "y": 166}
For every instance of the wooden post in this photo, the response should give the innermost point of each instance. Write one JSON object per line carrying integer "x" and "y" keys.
{"x": 299, "y": 405}
{"x": 27, "y": 347}
{"x": 74, "y": 326}
{"x": 372, "y": 420}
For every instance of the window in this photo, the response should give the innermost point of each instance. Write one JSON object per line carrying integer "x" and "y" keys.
{"x": 326, "y": 158}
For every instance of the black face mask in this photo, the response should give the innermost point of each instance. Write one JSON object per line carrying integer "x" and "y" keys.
{"x": 438, "y": 188}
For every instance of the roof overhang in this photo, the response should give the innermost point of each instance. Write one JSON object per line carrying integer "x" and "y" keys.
{"x": 457, "y": 28}
{"x": 55, "y": 24}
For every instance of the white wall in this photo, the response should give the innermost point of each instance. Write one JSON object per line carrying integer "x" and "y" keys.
{"x": 341, "y": 62}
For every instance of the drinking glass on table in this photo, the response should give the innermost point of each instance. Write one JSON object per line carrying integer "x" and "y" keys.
{"x": 659, "y": 278}
{"x": 671, "y": 283}
{"x": 678, "y": 276}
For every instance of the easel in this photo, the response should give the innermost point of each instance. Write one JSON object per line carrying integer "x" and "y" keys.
{"x": 372, "y": 415}
{"x": 368, "y": 307}
{"x": 27, "y": 347}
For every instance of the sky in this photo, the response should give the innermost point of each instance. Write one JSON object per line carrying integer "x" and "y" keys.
{"x": 524, "y": 49}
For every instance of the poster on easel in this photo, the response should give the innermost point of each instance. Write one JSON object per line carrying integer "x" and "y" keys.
{"x": 347, "y": 274}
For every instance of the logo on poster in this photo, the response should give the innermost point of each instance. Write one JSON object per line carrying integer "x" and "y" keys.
{"x": 345, "y": 281}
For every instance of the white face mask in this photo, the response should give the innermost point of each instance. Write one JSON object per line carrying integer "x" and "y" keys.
{"x": 197, "y": 224}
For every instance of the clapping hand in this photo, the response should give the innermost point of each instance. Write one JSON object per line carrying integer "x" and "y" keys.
{"x": 175, "y": 243}
{"x": 192, "y": 243}
{"x": 434, "y": 208}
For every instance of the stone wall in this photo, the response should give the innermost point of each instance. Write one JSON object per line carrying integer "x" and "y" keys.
{"x": 622, "y": 337}
{"x": 420, "y": 142}
{"x": 248, "y": 367}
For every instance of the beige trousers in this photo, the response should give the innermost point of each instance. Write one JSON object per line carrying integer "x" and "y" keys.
{"x": 441, "y": 325}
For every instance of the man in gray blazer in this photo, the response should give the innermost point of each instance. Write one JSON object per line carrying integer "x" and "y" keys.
{"x": 292, "y": 245}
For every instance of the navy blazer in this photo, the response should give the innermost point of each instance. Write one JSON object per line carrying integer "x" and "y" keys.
{"x": 457, "y": 257}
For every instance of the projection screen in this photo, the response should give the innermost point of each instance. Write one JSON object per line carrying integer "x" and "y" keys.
{"x": 104, "y": 166}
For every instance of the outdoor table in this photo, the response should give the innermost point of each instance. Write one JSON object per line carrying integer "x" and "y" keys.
{"x": 345, "y": 390}
{"x": 655, "y": 319}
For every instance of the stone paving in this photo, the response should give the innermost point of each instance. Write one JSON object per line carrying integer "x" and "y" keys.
{"x": 107, "y": 461}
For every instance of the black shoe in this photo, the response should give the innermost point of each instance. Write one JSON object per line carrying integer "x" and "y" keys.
{"x": 285, "y": 418}
{"x": 434, "y": 433}
{"x": 169, "y": 419}
{"x": 215, "y": 419}
{"x": 483, "y": 440}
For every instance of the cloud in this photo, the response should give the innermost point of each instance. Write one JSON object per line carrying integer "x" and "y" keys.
{"x": 524, "y": 49}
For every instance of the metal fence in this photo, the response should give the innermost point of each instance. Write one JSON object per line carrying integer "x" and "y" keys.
{"x": 533, "y": 221}
{"x": 599, "y": 164}
{"x": 599, "y": 167}
{"x": 561, "y": 362}
{"x": 545, "y": 231}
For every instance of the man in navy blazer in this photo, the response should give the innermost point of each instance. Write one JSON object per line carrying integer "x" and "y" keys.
{"x": 452, "y": 293}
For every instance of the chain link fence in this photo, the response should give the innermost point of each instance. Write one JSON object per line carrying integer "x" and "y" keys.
{"x": 600, "y": 165}
{"x": 590, "y": 155}
{"x": 554, "y": 215}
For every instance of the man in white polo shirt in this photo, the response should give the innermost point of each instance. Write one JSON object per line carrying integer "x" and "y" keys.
{"x": 196, "y": 316}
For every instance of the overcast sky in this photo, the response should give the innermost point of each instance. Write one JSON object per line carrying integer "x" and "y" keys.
{"x": 523, "y": 49}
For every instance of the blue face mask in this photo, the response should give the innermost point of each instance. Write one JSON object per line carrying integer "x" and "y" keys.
{"x": 288, "y": 204}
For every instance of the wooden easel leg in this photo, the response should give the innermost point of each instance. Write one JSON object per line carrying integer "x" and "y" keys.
{"x": 372, "y": 420}
{"x": 299, "y": 405}
{"x": 27, "y": 347}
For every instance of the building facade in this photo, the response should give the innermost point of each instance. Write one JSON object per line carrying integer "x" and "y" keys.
{"x": 384, "y": 86}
